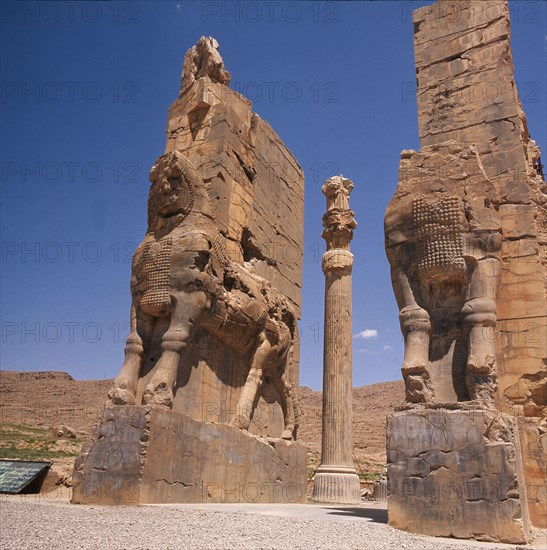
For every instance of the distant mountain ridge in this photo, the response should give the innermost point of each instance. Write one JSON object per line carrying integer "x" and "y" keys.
{"x": 50, "y": 398}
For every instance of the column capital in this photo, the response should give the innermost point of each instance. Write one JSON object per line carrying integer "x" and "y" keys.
{"x": 337, "y": 185}
{"x": 339, "y": 220}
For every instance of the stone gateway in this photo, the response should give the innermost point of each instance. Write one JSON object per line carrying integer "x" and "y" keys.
{"x": 465, "y": 237}
{"x": 206, "y": 398}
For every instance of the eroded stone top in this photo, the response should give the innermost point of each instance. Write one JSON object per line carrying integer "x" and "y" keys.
{"x": 201, "y": 60}
{"x": 337, "y": 184}
{"x": 338, "y": 221}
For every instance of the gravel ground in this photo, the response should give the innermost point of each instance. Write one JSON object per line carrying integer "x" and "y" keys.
{"x": 31, "y": 522}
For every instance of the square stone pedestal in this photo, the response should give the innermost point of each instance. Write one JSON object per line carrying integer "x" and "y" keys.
{"x": 456, "y": 473}
{"x": 141, "y": 455}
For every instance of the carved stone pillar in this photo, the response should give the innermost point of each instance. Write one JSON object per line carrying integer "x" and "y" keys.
{"x": 336, "y": 480}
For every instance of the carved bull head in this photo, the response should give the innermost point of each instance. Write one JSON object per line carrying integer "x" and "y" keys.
{"x": 176, "y": 190}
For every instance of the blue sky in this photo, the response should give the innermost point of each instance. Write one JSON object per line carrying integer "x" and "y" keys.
{"x": 85, "y": 92}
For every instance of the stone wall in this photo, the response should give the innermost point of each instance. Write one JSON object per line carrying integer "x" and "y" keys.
{"x": 143, "y": 455}
{"x": 456, "y": 473}
{"x": 254, "y": 181}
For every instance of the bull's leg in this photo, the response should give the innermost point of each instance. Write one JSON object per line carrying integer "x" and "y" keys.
{"x": 187, "y": 307}
{"x": 244, "y": 410}
{"x": 125, "y": 384}
{"x": 284, "y": 387}
{"x": 416, "y": 329}
{"x": 479, "y": 318}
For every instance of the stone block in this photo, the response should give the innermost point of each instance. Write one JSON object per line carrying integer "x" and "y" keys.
{"x": 142, "y": 455}
{"x": 456, "y": 473}
{"x": 533, "y": 440}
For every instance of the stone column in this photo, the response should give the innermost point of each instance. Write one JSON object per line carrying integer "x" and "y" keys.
{"x": 336, "y": 480}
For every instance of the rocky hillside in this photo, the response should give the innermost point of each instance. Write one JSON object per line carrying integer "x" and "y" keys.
{"x": 49, "y": 400}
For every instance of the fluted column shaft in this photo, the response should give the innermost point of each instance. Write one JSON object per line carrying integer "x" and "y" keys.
{"x": 336, "y": 480}
{"x": 337, "y": 441}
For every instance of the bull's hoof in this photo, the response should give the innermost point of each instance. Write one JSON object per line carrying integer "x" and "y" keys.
{"x": 160, "y": 396}
{"x": 481, "y": 365}
{"x": 414, "y": 367}
{"x": 287, "y": 435}
{"x": 121, "y": 396}
{"x": 239, "y": 422}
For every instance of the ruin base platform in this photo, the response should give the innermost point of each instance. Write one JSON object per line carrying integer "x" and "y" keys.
{"x": 141, "y": 455}
{"x": 456, "y": 473}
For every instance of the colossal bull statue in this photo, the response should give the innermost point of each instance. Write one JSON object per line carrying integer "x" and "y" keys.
{"x": 183, "y": 279}
{"x": 443, "y": 241}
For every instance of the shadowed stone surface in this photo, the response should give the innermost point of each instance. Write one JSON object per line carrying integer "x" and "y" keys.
{"x": 443, "y": 241}
{"x": 458, "y": 472}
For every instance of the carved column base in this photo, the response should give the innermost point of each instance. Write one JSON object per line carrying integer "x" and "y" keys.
{"x": 337, "y": 485}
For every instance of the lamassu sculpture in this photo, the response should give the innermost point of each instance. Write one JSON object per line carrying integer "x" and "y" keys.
{"x": 463, "y": 238}
{"x": 183, "y": 280}
{"x": 206, "y": 398}
{"x": 443, "y": 241}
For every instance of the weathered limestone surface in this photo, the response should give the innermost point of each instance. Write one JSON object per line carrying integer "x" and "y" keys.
{"x": 336, "y": 480}
{"x": 467, "y": 93}
{"x": 255, "y": 184}
{"x": 215, "y": 290}
{"x": 226, "y": 197}
{"x": 456, "y": 473}
{"x": 466, "y": 237}
{"x": 151, "y": 455}
{"x": 533, "y": 445}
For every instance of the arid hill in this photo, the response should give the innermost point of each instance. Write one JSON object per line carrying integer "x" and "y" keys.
{"x": 47, "y": 399}
{"x": 51, "y": 399}
{"x": 371, "y": 405}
